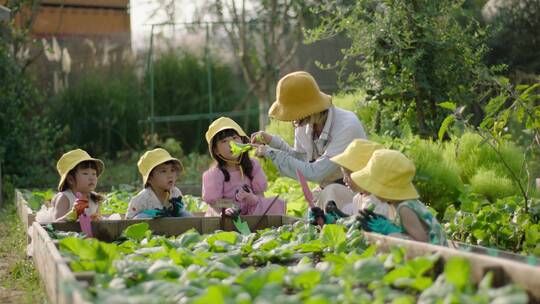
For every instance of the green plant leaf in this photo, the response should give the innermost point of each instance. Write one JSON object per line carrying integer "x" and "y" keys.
{"x": 444, "y": 126}
{"x": 237, "y": 148}
{"x": 136, "y": 232}
{"x": 447, "y": 105}
{"x": 457, "y": 271}
{"x": 333, "y": 235}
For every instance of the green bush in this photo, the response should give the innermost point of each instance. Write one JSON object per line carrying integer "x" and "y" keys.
{"x": 492, "y": 185}
{"x": 437, "y": 177}
{"x": 473, "y": 153}
{"x": 28, "y": 138}
{"x": 181, "y": 87}
{"x": 102, "y": 111}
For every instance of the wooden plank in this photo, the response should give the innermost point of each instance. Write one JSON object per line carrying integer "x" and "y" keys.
{"x": 210, "y": 224}
{"x": 24, "y": 212}
{"x": 525, "y": 275}
{"x": 60, "y": 283}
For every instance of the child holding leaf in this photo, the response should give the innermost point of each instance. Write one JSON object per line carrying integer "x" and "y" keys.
{"x": 235, "y": 178}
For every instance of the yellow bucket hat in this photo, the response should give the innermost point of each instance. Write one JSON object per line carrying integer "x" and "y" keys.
{"x": 388, "y": 175}
{"x": 298, "y": 96}
{"x": 218, "y": 125}
{"x": 152, "y": 159}
{"x": 70, "y": 160}
{"x": 357, "y": 154}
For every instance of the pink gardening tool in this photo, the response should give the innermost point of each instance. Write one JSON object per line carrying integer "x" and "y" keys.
{"x": 86, "y": 224}
{"x": 84, "y": 220}
{"x": 305, "y": 188}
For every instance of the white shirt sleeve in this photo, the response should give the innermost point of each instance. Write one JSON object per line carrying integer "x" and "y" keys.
{"x": 287, "y": 165}
{"x": 279, "y": 144}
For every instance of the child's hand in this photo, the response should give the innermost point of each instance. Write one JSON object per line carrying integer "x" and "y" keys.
{"x": 245, "y": 195}
{"x": 80, "y": 204}
{"x": 230, "y": 212}
{"x": 372, "y": 222}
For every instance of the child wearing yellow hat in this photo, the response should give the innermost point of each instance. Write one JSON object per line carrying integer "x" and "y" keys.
{"x": 236, "y": 179}
{"x": 355, "y": 158}
{"x": 388, "y": 176}
{"x": 160, "y": 197}
{"x": 78, "y": 179}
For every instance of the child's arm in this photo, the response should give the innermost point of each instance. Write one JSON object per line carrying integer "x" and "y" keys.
{"x": 412, "y": 225}
{"x": 212, "y": 186}
{"x": 61, "y": 208}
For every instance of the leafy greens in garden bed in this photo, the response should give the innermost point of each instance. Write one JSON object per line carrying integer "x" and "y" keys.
{"x": 289, "y": 264}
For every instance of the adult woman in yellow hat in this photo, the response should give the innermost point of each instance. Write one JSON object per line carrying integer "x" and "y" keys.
{"x": 322, "y": 131}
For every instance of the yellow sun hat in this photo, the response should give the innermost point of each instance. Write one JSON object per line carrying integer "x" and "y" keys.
{"x": 357, "y": 154}
{"x": 218, "y": 125}
{"x": 152, "y": 159}
{"x": 69, "y": 160}
{"x": 298, "y": 96}
{"x": 388, "y": 175}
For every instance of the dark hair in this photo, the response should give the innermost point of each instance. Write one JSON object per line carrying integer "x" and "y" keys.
{"x": 87, "y": 164}
{"x": 170, "y": 162}
{"x": 245, "y": 161}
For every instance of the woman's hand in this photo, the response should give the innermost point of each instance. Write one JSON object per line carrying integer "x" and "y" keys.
{"x": 261, "y": 137}
{"x": 260, "y": 151}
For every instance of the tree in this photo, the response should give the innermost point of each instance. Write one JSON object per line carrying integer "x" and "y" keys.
{"x": 264, "y": 36}
{"x": 517, "y": 39}
{"x": 412, "y": 55}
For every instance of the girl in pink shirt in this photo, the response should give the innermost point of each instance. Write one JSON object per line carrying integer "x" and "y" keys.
{"x": 238, "y": 180}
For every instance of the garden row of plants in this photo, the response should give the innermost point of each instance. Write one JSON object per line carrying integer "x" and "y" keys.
{"x": 290, "y": 264}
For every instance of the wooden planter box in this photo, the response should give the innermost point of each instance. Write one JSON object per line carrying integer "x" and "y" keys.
{"x": 64, "y": 286}
{"x": 505, "y": 271}
{"x": 26, "y": 214}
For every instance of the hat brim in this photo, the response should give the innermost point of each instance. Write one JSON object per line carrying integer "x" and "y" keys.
{"x": 345, "y": 162}
{"x": 99, "y": 164}
{"x": 293, "y": 112}
{"x": 176, "y": 160}
{"x": 364, "y": 180}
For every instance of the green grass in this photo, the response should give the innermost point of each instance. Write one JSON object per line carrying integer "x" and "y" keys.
{"x": 19, "y": 280}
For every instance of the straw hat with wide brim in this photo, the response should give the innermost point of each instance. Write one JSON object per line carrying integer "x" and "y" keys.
{"x": 298, "y": 96}
{"x": 218, "y": 125}
{"x": 70, "y": 160}
{"x": 388, "y": 175}
{"x": 357, "y": 154}
{"x": 152, "y": 159}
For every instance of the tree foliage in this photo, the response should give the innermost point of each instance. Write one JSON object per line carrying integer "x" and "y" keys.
{"x": 411, "y": 55}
